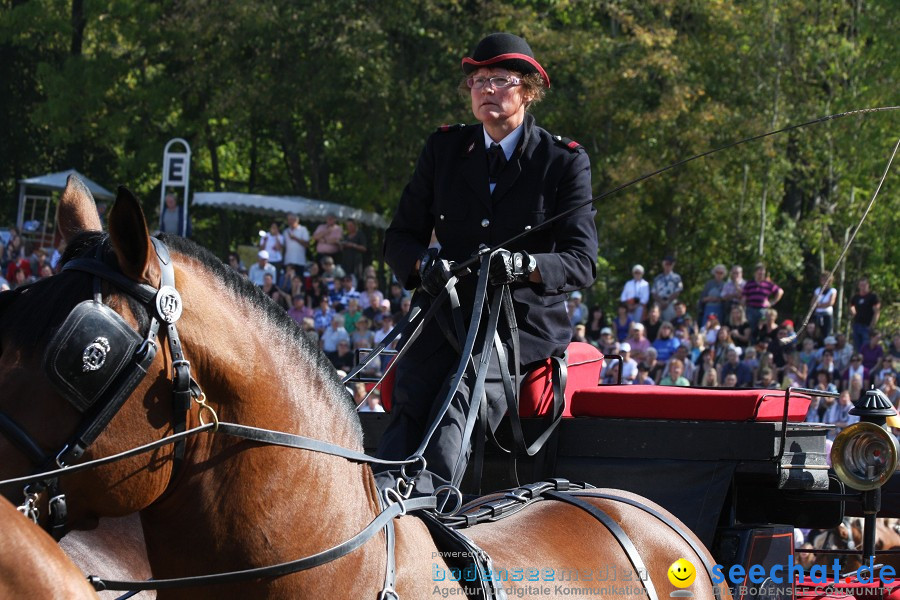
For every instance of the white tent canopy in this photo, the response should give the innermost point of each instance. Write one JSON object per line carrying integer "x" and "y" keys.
{"x": 39, "y": 207}
{"x": 305, "y": 208}
{"x": 57, "y": 182}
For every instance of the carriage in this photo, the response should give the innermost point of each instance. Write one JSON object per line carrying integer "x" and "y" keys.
{"x": 740, "y": 467}
{"x": 719, "y": 477}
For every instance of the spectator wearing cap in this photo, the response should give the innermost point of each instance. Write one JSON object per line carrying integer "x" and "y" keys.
{"x": 638, "y": 341}
{"x": 577, "y": 310}
{"x": 636, "y": 294}
{"x": 260, "y": 268}
{"x": 711, "y": 301}
{"x": 759, "y": 294}
{"x": 629, "y": 365}
{"x": 607, "y": 341}
{"x": 667, "y": 286}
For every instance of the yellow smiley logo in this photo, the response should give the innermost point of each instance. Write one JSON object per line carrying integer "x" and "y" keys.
{"x": 682, "y": 573}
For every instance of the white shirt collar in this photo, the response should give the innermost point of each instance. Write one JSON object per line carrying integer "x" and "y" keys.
{"x": 508, "y": 143}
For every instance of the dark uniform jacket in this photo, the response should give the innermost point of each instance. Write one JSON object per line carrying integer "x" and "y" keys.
{"x": 449, "y": 193}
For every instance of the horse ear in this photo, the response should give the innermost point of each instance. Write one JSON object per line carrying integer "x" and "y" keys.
{"x": 131, "y": 239}
{"x": 77, "y": 210}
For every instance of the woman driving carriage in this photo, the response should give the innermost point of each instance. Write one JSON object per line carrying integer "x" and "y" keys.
{"x": 480, "y": 185}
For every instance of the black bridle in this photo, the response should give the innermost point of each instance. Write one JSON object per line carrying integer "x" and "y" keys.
{"x": 96, "y": 361}
{"x": 97, "y": 382}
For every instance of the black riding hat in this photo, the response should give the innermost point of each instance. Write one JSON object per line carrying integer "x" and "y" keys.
{"x": 504, "y": 50}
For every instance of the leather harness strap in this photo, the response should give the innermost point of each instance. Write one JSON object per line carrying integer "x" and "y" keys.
{"x": 676, "y": 527}
{"x": 286, "y": 568}
{"x": 616, "y": 530}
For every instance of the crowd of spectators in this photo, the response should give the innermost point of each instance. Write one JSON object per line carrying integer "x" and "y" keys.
{"x": 322, "y": 280}
{"x": 20, "y": 263}
{"x": 740, "y": 340}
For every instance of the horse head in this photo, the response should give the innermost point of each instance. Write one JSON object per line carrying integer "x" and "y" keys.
{"x": 53, "y": 390}
{"x": 130, "y": 369}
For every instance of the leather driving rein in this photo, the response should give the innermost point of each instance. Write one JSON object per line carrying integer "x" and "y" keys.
{"x": 96, "y": 361}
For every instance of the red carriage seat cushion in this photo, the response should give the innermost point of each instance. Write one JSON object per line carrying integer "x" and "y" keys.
{"x": 687, "y": 404}
{"x": 536, "y": 395}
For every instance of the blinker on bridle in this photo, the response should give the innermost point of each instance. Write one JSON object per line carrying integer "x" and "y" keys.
{"x": 96, "y": 360}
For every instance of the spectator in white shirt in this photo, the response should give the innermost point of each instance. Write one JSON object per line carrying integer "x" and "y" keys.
{"x": 260, "y": 268}
{"x": 636, "y": 294}
{"x": 296, "y": 241}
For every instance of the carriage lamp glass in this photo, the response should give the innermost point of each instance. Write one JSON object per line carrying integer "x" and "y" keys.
{"x": 864, "y": 456}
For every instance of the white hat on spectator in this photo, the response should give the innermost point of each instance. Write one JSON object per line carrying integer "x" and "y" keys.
{"x": 263, "y": 254}
{"x": 624, "y": 347}
{"x": 638, "y": 326}
{"x": 637, "y": 268}
{"x": 576, "y": 294}
{"x": 606, "y": 331}
{"x": 829, "y": 340}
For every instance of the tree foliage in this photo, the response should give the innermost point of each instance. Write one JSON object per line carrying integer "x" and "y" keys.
{"x": 333, "y": 99}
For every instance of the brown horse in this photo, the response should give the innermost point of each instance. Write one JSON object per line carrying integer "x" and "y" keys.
{"x": 32, "y": 565}
{"x": 849, "y": 536}
{"x": 236, "y": 504}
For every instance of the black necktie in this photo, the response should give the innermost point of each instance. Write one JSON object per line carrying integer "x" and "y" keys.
{"x": 496, "y": 162}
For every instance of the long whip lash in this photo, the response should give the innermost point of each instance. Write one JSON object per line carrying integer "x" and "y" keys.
{"x": 862, "y": 111}
{"x": 815, "y": 300}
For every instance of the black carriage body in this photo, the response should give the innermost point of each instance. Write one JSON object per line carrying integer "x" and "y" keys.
{"x": 727, "y": 481}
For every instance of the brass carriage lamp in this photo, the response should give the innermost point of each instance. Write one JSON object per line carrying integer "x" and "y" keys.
{"x": 864, "y": 455}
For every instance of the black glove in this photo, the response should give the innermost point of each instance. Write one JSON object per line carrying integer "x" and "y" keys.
{"x": 434, "y": 272}
{"x": 510, "y": 267}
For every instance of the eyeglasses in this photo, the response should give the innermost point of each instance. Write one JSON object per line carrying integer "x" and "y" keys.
{"x": 497, "y": 82}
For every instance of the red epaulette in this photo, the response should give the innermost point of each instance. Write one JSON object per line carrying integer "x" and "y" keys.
{"x": 568, "y": 143}
{"x": 451, "y": 127}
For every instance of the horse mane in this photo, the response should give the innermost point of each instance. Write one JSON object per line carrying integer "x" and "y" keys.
{"x": 244, "y": 290}
{"x": 51, "y": 300}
